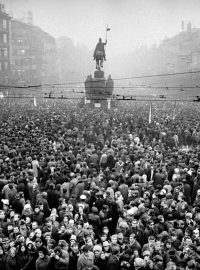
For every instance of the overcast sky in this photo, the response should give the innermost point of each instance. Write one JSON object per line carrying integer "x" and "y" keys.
{"x": 133, "y": 22}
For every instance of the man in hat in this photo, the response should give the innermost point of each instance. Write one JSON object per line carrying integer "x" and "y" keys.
{"x": 146, "y": 255}
{"x": 85, "y": 205}
{"x": 6, "y": 244}
{"x": 160, "y": 227}
{"x": 17, "y": 205}
{"x": 139, "y": 264}
{"x": 43, "y": 260}
{"x": 73, "y": 256}
{"x": 97, "y": 249}
{"x": 58, "y": 260}
{"x": 79, "y": 187}
{"x": 113, "y": 259}
{"x": 38, "y": 215}
{"x": 86, "y": 259}
{"x": 135, "y": 229}
{"x": 94, "y": 220}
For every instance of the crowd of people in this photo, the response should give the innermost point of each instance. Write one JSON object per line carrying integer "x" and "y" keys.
{"x": 91, "y": 189}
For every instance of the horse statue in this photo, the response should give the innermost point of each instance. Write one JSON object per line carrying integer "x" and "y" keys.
{"x": 99, "y": 54}
{"x": 99, "y": 60}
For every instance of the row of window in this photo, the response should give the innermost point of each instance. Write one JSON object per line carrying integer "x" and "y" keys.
{"x": 4, "y": 38}
{"x": 4, "y": 52}
{"x": 20, "y": 52}
{"x": 18, "y": 41}
{"x": 3, "y": 65}
{"x": 20, "y": 62}
{"x": 3, "y": 24}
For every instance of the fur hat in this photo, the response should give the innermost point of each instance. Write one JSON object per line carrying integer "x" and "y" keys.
{"x": 139, "y": 262}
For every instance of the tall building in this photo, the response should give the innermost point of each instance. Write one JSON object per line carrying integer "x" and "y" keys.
{"x": 181, "y": 53}
{"x": 33, "y": 54}
{"x": 178, "y": 54}
{"x": 5, "y": 56}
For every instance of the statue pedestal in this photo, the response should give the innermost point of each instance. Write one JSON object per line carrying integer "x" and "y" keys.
{"x": 98, "y": 90}
{"x": 99, "y": 74}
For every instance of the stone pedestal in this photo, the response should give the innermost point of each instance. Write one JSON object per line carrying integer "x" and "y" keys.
{"x": 98, "y": 90}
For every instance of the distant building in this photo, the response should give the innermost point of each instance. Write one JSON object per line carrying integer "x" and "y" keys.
{"x": 181, "y": 53}
{"x": 33, "y": 54}
{"x": 5, "y": 56}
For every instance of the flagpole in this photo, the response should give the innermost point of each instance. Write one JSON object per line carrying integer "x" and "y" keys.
{"x": 106, "y": 36}
{"x": 150, "y": 111}
{"x": 106, "y": 31}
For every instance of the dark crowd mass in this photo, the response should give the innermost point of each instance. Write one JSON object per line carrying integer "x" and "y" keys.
{"x": 92, "y": 189}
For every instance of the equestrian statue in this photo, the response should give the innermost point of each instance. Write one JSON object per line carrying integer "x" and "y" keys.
{"x": 99, "y": 54}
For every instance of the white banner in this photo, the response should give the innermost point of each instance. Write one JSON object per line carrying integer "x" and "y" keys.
{"x": 97, "y": 105}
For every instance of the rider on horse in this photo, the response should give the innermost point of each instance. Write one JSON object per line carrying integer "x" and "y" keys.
{"x": 100, "y": 50}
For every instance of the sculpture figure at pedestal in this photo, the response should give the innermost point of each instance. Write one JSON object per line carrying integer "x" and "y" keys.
{"x": 99, "y": 54}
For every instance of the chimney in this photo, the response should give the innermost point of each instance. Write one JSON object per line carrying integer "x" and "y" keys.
{"x": 189, "y": 27}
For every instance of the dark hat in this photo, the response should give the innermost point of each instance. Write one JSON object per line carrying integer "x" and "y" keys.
{"x": 172, "y": 252}
{"x": 85, "y": 248}
{"x": 43, "y": 250}
{"x": 94, "y": 210}
{"x": 118, "y": 231}
{"x": 58, "y": 249}
{"x": 52, "y": 242}
{"x": 158, "y": 258}
{"x": 47, "y": 234}
{"x": 5, "y": 240}
{"x": 163, "y": 235}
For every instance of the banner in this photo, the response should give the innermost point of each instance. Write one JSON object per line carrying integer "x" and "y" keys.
{"x": 150, "y": 111}
{"x": 109, "y": 101}
{"x": 34, "y": 102}
{"x": 97, "y": 105}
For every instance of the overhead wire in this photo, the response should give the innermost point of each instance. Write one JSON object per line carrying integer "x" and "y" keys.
{"x": 114, "y": 79}
{"x": 116, "y": 98}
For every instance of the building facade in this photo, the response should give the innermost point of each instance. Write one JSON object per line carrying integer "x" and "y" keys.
{"x": 33, "y": 54}
{"x": 5, "y": 49}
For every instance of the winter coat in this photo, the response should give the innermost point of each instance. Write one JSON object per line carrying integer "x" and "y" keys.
{"x": 73, "y": 258}
{"x": 30, "y": 265}
{"x": 42, "y": 264}
{"x": 22, "y": 258}
{"x": 11, "y": 263}
{"x": 52, "y": 199}
{"x": 61, "y": 264}
{"x": 85, "y": 262}
{"x": 113, "y": 263}
{"x": 2, "y": 262}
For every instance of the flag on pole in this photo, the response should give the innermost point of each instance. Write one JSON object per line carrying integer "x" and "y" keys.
{"x": 108, "y": 29}
{"x": 150, "y": 111}
{"x": 34, "y": 102}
